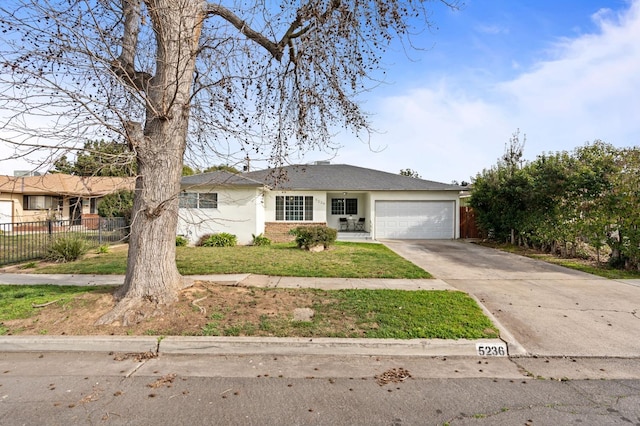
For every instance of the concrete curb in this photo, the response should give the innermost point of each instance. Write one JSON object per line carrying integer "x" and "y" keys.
{"x": 78, "y": 344}
{"x": 515, "y": 348}
{"x": 321, "y": 346}
{"x": 178, "y": 345}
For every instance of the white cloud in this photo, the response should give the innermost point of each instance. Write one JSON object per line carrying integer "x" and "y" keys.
{"x": 586, "y": 89}
{"x": 436, "y": 133}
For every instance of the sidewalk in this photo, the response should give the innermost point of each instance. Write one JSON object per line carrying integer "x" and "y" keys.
{"x": 248, "y": 345}
{"x": 248, "y": 280}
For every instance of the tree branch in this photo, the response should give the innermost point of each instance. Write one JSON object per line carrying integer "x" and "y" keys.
{"x": 123, "y": 66}
{"x": 274, "y": 48}
{"x": 294, "y": 30}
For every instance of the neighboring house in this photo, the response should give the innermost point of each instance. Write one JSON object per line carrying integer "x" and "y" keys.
{"x": 273, "y": 201}
{"x": 55, "y": 196}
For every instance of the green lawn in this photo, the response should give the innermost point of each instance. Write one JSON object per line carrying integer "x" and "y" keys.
{"x": 339, "y": 313}
{"x": 18, "y": 301}
{"x": 387, "y": 314}
{"x": 344, "y": 260}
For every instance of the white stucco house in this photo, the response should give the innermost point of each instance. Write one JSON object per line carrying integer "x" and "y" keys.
{"x": 354, "y": 200}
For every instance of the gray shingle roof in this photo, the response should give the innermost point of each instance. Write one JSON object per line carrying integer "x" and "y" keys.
{"x": 342, "y": 177}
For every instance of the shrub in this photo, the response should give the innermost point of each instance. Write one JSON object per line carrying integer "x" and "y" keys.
{"x": 181, "y": 241}
{"x": 260, "y": 240}
{"x": 311, "y": 236}
{"x": 66, "y": 249}
{"x": 117, "y": 204}
{"x": 202, "y": 239}
{"x": 222, "y": 239}
{"x": 103, "y": 249}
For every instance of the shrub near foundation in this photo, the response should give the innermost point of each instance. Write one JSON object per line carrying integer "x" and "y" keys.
{"x": 222, "y": 239}
{"x": 308, "y": 237}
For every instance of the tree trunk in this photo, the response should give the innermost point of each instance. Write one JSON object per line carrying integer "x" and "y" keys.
{"x": 152, "y": 275}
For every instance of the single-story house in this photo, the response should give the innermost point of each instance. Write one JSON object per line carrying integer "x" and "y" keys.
{"x": 55, "y": 196}
{"x": 348, "y": 198}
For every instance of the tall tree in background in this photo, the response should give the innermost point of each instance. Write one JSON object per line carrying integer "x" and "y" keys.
{"x": 410, "y": 173}
{"x": 99, "y": 158}
{"x": 501, "y": 196}
{"x": 560, "y": 202}
{"x": 165, "y": 75}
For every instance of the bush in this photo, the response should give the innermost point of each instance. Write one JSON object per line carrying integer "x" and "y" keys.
{"x": 103, "y": 249}
{"x": 260, "y": 240}
{"x": 117, "y": 204}
{"x": 222, "y": 239}
{"x": 312, "y": 236}
{"x": 181, "y": 241}
{"x": 67, "y": 249}
{"x": 202, "y": 239}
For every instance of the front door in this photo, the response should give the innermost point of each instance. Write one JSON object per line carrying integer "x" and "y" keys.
{"x": 75, "y": 211}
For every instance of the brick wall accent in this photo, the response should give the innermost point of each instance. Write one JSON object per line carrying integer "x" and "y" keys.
{"x": 278, "y": 232}
{"x": 91, "y": 221}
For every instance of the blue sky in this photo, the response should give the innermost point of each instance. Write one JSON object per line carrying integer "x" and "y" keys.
{"x": 563, "y": 72}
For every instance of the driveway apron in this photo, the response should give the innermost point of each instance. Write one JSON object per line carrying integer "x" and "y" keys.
{"x": 550, "y": 310}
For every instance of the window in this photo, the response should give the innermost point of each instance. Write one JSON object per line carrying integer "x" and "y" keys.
{"x": 294, "y": 207}
{"x": 198, "y": 200}
{"x": 342, "y": 206}
{"x": 41, "y": 202}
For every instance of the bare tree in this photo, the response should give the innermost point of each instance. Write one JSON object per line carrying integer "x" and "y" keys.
{"x": 170, "y": 77}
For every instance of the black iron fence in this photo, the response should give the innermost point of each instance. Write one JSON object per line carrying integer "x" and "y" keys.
{"x": 20, "y": 242}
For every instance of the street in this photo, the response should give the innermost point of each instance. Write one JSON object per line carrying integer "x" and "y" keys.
{"x": 116, "y": 388}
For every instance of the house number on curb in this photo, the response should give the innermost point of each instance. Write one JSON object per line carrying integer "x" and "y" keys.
{"x": 491, "y": 349}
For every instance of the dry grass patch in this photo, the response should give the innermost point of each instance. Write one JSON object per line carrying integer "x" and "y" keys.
{"x": 211, "y": 309}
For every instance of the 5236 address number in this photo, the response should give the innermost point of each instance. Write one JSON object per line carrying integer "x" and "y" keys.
{"x": 491, "y": 349}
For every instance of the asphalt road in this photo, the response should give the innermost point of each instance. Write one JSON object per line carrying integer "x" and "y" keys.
{"x": 113, "y": 389}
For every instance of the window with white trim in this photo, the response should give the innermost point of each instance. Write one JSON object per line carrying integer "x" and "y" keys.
{"x": 342, "y": 206}
{"x": 41, "y": 202}
{"x": 198, "y": 200}
{"x": 294, "y": 207}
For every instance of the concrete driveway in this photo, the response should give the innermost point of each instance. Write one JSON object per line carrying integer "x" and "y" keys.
{"x": 548, "y": 309}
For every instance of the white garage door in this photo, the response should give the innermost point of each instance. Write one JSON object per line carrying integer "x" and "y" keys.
{"x": 415, "y": 219}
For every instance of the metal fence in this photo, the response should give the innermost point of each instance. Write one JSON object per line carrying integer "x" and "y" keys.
{"x": 25, "y": 241}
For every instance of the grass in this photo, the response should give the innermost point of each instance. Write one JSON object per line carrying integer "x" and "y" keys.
{"x": 17, "y": 301}
{"x": 344, "y": 260}
{"x": 396, "y": 314}
{"x": 390, "y": 314}
{"x": 590, "y": 267}
{"x": 601, "y": 270}
{"x": 338, "y": 313}
{"x": 387, "y": 314}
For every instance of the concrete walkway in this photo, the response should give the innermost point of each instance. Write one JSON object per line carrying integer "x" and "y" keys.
{"x": 248, "y": 280}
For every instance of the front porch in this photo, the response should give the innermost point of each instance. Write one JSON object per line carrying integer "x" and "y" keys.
{"x": 349, "y": 213}
{"x": 355, "y": 236}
